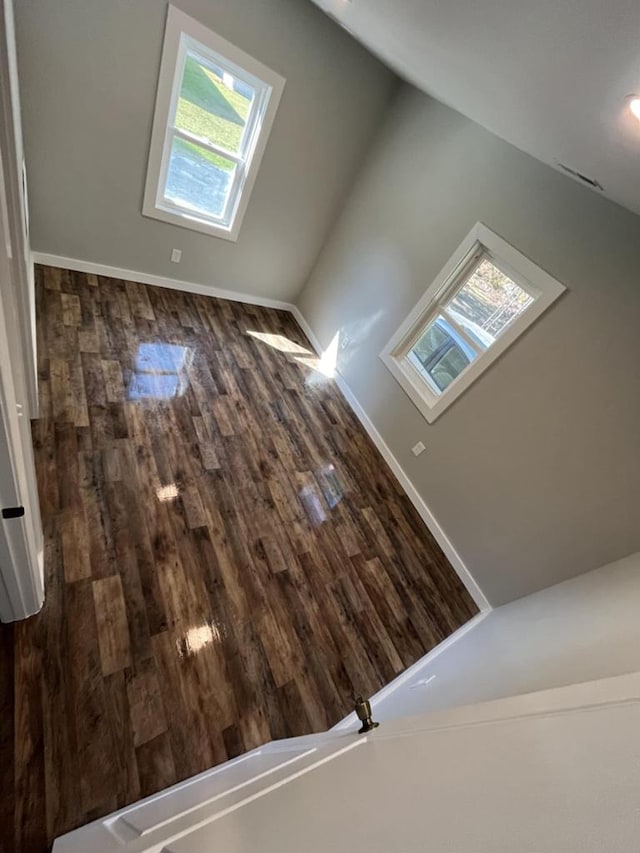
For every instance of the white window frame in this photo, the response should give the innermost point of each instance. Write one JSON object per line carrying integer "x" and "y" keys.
{"x": 184, "y": 34}
{"x": 480, "y": 241}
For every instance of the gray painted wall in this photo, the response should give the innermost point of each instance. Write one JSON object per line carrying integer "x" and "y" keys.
{"x": 534, "y": 473}
{"x": 88, "y": 73}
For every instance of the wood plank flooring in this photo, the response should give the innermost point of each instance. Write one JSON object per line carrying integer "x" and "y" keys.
{"x": 228, "y": 559}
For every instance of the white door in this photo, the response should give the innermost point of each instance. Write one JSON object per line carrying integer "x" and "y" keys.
{"x": 21, "y": 570}
{"x": 18, "y": 286}
{"x": 21, "y": 557}
{"x": 552, "y": 771}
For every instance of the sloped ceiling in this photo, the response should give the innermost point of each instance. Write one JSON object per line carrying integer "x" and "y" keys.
{"x": 550, "y": 76}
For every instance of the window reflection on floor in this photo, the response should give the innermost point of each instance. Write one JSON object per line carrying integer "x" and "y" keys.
{"x": 331, "y": 485}
{"x": 332, "y": 489}
{"x": 159, "y": 372}
{"x": 312, "y": 503}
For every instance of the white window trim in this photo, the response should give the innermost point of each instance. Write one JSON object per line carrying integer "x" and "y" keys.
{"x": 180, "y": 29}
{"x": 536, "y": 281}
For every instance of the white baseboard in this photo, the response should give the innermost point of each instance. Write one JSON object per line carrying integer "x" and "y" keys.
{"x": 414, "y": 670}
{"x": 412, "y": 493}
{"x": 205, "y": 290}
{"x": 158, "y": 280}
{"x": 306, "y": 328}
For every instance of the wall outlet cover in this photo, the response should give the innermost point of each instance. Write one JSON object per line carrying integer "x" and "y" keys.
{"x": 176, "y": 255}
{"x": 418, "y": 448}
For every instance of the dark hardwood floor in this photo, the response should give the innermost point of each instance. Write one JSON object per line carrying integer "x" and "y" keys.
{"x": 228, "y": 558}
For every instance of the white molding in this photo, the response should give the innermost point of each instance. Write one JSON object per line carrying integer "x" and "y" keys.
{"x": 21, "y": 565}
{"x": 15, "y": 211}
{"x": 306, "y": 328}
{"x": 157, "y": 280}
{"x": 415, "y": 669}
{"x": 21, "y": 538}
{"x": 535, "y": 281}
{"x": 403, "y": 478}
{"x": 156, "y": 823}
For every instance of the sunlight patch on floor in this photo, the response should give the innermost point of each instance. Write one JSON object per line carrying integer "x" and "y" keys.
{"x": 279, "y": 342}
{"x": 198, "y": 638}
{"x": 326, "y": 364}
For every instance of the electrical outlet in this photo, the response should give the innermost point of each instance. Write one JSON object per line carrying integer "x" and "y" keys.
{"x": 176, "y": 255}
{"x": 418, "y": 448}
{"x": 345, "y": 340}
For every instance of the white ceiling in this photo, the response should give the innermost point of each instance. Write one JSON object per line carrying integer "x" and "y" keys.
{"x": 549, "y": 76}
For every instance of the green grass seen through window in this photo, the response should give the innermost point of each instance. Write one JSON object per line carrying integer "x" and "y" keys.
{"x": 209, "y": 109}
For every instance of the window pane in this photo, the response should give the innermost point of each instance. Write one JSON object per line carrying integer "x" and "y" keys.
{"x": 213, "y": 104}
{"x": 198, "y": 179}
{"x": 441, "y": 353}
{"x": 488, "y": 303}
{"x": 451, "y": 365}
{"x": 433, "y": 337}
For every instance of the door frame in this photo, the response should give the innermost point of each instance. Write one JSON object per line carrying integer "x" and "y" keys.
{"x": 21, "y": 538}
{"x": 14, "y": 205}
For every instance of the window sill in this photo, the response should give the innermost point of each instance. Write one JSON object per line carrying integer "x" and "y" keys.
{"x": 193, "y": 223}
